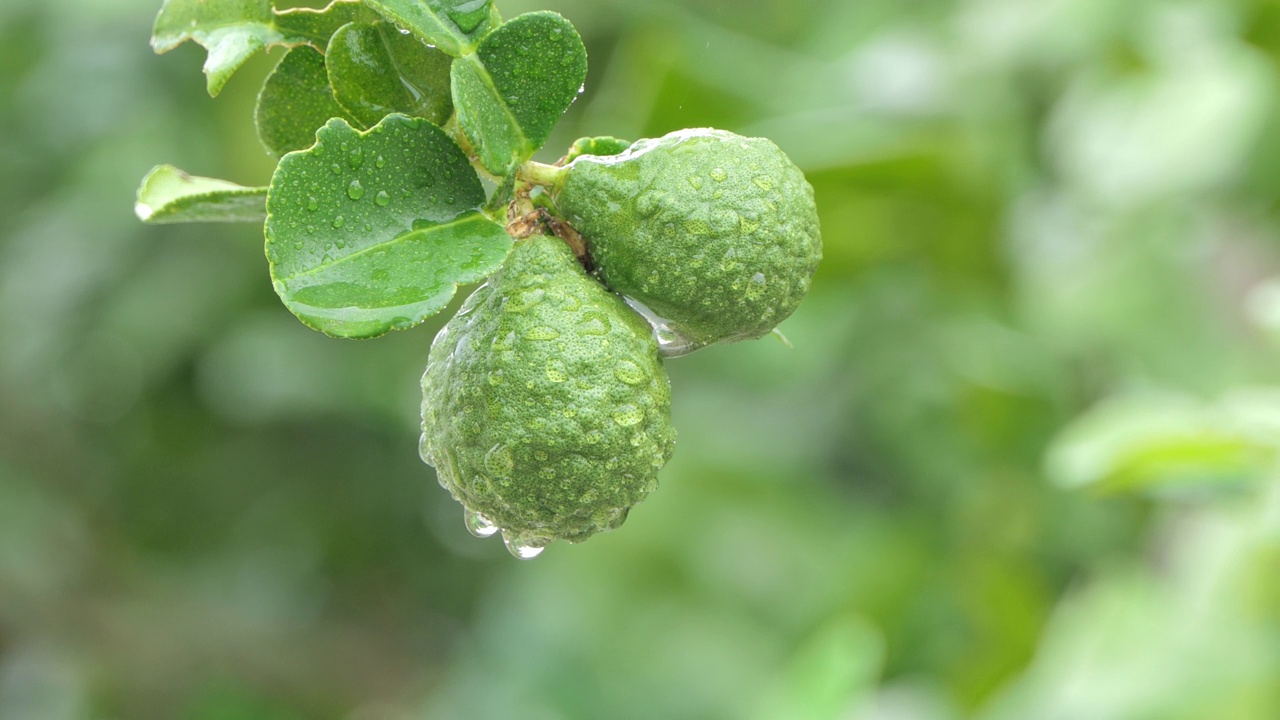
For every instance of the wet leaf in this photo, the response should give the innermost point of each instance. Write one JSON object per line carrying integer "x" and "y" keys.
{"x": 295, "y": 101}
{"x": 169, "y": 195}
{"x": 454, "y": 26}
{"x": 233, "y": 30}
{"x": 376, "y": 71}
{"x": 372, "y": 232}
{"x": 513, "y": 90}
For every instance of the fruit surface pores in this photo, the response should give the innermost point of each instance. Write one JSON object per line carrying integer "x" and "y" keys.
{"x": 545, "y": 407}
{"x": 713, "y": 231}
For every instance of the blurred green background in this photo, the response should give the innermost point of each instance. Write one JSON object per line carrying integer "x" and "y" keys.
{"x": 1020, "y": 464}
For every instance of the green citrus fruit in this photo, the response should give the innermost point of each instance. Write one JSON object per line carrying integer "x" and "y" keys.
{"x": 715, "y": 232}
{"x": 546, "y": 410}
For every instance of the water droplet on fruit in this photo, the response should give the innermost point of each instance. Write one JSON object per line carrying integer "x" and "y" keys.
{"x": 525, "y": 548}
{"x": 479, "y": 525}
{"x": 382, "y": 198}
{"x": 499, "y": 461}
{"x": 424, "y": 450}
{"x": 556, "y": 371}
{"x": 471, "y": 302}
{"x": 719, "y": 175}
{"x": 671, "y": 342}
{"x": 541, "y": 332}
{"x": 355, "y": 190}
{"x": 764, "y": 182}
{"x": 628, "y": 415}
{"x": 629, "y": 373}
{"x": 522, "y": 301}
{"x": 594, "y": 323}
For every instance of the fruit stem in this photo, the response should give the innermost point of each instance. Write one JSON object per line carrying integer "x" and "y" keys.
{"x": 536, "y": 173}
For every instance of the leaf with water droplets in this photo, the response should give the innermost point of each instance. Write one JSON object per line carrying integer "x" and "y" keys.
{"x": 294, "y": 102}
{"x": 376, "y": 71}
{"x": 514, "y": 88}
{"x": 372, "y": 232}
{"x": 454, "y": 26}
{"x": 169, "y": 195}
{"x": 234, "y": 30}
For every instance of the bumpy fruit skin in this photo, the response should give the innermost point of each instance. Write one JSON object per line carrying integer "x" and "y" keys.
{"x": 713, "y": 231}
{"x": 545, "y": 406}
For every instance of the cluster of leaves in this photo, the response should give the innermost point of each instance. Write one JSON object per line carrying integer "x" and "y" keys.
{"x": 385, "y": 115}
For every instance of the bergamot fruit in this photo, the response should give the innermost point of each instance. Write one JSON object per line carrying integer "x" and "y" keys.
{"x": 546, "y": 410}
{"x": 715, "y": 232}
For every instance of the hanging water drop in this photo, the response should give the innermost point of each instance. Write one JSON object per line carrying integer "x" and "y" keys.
{"x": 355, "y": 190}
{"x": 382, "y": 198}
{"x": 525, "y": 548}
{"x": 479, "y": 525}
{"x": 671, "y": 342}
{"x": 424, "y": 451}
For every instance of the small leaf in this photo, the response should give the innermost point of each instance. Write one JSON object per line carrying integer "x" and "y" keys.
{"x": 454, "y": 26}
{"x": 600, "y": 146}
{"x": 233, "y": 30}
{"x": 372, "y": 232}
{"x": 168, "y": 195}
{"x": 376, "y": 71}
{"x": 295, "y": 101}
{"x": 513, "y": 90}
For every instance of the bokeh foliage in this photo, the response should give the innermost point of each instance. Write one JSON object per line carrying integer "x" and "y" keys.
{"x": 1020, "y": 463}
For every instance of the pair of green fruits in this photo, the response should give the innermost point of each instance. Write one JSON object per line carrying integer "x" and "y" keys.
{"x": 546, "y": 408}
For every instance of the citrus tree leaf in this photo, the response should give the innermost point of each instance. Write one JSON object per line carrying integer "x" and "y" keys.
{"x": 514, "y": 88}
{"x": 233, "y": 30}
{"x": 295, "y": 101}
{"x": 454, "y": 26}
{"x": 169, "y": 195}
{"x": 372, "y": 232}
{"x": 376, "y": 71}
{"x": 604, "y": 145}
{"x": 1163, "y": 442}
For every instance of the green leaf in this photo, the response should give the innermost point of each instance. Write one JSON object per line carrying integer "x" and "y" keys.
{"x": 512, "y": 91}
{"x": 454, "y": 26}
{"x": 169, "y": 195}
{"x": 596, "y": 146}
{"x": 376, "y": 71}
{"x": 318, "y": 26}
{"x": 1168, "y": 442}
{"x": 233, "y": 30}
{"x": 834, "y": 670}
{"x": 372, "y": 232}
{"x": 295, "y": 101}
